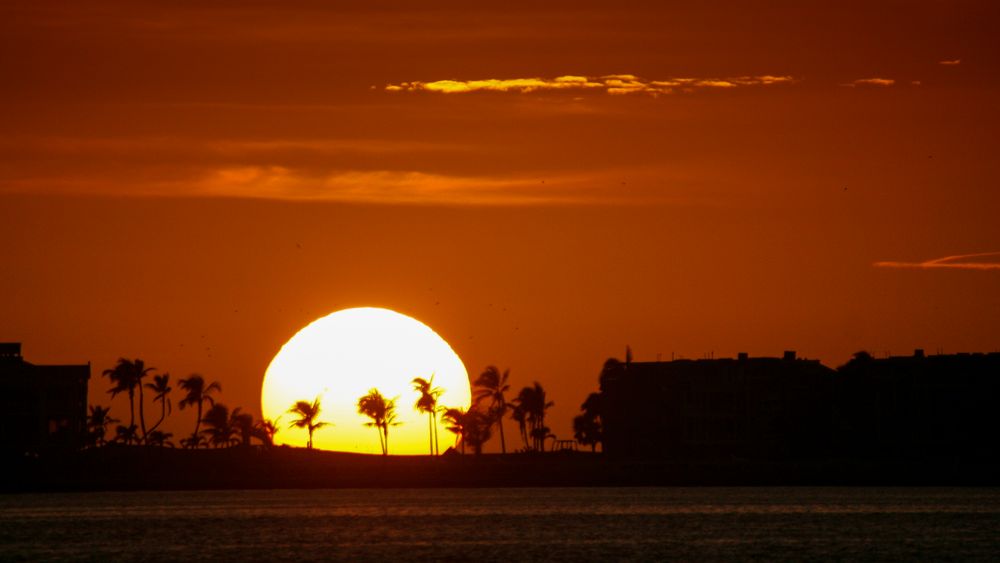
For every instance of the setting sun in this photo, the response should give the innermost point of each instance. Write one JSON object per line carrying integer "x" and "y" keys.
{"x": 342, "y": 356}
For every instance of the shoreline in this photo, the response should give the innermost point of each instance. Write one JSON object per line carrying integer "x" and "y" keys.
{"x": 159, "y": 469}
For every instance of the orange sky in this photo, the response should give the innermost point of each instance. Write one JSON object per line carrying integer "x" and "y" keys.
{"x": 191, "y": 182}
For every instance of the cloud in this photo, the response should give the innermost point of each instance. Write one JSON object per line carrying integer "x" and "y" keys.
{"x": 614, "y": 84}
{"x": 953, "y": 62}
{"x": 880, "y": 82}
{"x": 981, "y": 261}
{"x": 388, "y": 187}
{"x": 226, "y": 147}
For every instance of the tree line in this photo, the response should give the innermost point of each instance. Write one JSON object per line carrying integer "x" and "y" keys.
{"x": 222, "y": 427}
{"x": 218, "y": 426}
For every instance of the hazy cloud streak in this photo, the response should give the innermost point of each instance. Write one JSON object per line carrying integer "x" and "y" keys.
{"x": 956, "y": 262}
{"x": 610, "y": 84}
{"x": 882, "y": 82}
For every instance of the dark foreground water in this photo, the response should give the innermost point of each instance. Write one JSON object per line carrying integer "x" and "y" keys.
{"x": 505, "y": 524}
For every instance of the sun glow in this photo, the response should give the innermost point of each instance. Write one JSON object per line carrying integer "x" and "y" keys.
{"x": 340, "y": 357}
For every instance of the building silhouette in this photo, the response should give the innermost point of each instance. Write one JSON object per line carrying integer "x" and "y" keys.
{"x": 896, "y": 408}
{"x": 42, "y": 408}
{"x": 919, "y": 407}
{"x": 754, "y": 408}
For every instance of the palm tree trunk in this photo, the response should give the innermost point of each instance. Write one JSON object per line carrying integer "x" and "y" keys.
{"x": 309, "y": 444}
{"x": 163, "y": 415}
{"x": 131, "y": 409}
{"x": 430, "y": 430}
{"x": 197, "y": 423}
{"x": 503, "y": 443}
{"x": 437, "y": 449}
{"x": 385, "y": 447}
{"x": 142, "y": 413}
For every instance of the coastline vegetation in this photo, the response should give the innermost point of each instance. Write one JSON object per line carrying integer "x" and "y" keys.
{"x": 216, "y": 426}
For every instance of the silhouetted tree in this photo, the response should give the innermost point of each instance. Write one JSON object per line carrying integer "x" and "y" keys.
{"x": 218, "y": 426}
{"x": 97, "y": 424}
{"x": 858, "y": 359}
{"x": 197, "y": 394}
{"x": 535, "y": 404}
{"x": 126, "y": 434}
{"x": 473, "y": 427}
{"x": 539, "y": 435}
{"x": 158, "y": 438}
{"x": 519, "y": 415}
{"x": 454, "y": 420}
{"x": 427, "y": 403}
{"x": 126, "y": 376}
{"x": 587, "y": 426}
{"x": 161, "y": 387}
{"x": 264, "y": 430}
{"x": 382, "y": 411}
{"x": 307, "y": 413}
{"x": 243, "y": 424}
{"x": 492, "y": 385}
{"x": 193, "y": 441}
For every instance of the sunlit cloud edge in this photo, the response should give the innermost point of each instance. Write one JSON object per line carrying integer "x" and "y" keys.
{"x": 955, "y": 262}
{"x": 613, "y": 84}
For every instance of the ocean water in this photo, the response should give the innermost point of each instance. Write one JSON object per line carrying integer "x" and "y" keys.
{"x": 505, "y": 524}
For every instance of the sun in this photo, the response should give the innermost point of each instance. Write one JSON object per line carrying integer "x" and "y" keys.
{"x": 343, "y": 355}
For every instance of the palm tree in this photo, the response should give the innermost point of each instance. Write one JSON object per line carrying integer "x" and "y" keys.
{"x": 520, "y": 416}
{"x": 492, "y": 385}
{"x": 428, "y": 403}
{"x": 477, "y": 428}
{"x": 534, "y": 402}
{"x": 242, "y": 422}
{"x": 471, "y": 426}
{"x": 194, "y": 441}
{"x": 126, "y": 434}
{"x": 97, "y": 424}
{"x": 539, "y": 435}
{"x": 264, "y": 430}
{"x": 219, "y": 426}
{"x": 158, "y": 438}
{"x": 454, "y": 420}
{"x": 197, "y": 395}
{"x": 307, "y": 413}
{"x": 382, "y": 411}
{"x": 161, "y": 386}
{"x": 125, "y": 377}
{"x": 587, "y": 426}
